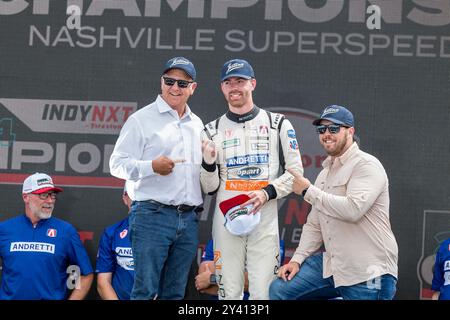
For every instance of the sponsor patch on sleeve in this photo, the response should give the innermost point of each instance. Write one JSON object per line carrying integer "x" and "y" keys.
{"x": 293, "y": 144}
{"x": 447, "y": 265}
{"x": 291, "y": 134}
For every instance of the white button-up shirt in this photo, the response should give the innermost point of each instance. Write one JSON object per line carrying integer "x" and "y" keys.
{"x": 153, "y": 131}
{"x": 350, "y": 216}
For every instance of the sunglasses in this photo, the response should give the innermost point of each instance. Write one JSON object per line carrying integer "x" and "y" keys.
{"x": 333, "y": 128}
{"x": 45, "y": 195}
{"x": 181, "y": 83}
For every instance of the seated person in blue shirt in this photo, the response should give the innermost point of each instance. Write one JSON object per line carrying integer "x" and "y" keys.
{"x": 441, "y": 274}
{"x": 43, "y": 257}
{"x": 206, "y": 282}
{"x": 115, "y": 265}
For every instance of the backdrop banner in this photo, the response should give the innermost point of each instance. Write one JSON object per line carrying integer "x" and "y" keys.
{"x": 73, "y": 71}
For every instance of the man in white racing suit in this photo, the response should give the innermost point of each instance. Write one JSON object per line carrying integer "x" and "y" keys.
{"x": 249, "y": 148}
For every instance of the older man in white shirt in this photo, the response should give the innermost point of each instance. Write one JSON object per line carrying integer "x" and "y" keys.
{"x": 159, "y": 153}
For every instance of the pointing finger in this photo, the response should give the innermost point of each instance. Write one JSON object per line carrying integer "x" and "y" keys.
{"x": 294, "y": 173}
{"x": 179, "y": 160}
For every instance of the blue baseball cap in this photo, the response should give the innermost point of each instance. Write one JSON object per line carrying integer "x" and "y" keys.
{"x": 336, "y": 114}
{"x": 237, "y": 68}
{"x": 183, "y": 64}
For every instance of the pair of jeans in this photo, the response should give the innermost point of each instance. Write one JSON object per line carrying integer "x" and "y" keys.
{"x": 308, "y": 283}
{"x": 164, "y": 243}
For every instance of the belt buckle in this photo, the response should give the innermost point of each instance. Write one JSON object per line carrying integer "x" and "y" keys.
{"x": 180, "y": 208}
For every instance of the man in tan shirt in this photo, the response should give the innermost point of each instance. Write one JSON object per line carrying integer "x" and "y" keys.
{"x": 349, "y": 216}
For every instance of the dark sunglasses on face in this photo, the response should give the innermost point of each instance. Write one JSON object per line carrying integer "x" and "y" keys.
{"x": 181, "y": 83}
{"x": 45, "y": 195}
{"x": 333, "y": 128}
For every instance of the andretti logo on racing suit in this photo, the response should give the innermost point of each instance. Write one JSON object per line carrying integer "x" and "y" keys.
{"x": 247, "y": 173}
{"x": 247, "y": 160}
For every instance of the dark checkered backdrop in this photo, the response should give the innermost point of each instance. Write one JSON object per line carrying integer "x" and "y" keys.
{"x": 68, "y": 82}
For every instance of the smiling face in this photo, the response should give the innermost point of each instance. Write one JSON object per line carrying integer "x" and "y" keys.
{"x": 175, "y": 96}
{"x": 335, "y": 144}
{"x": 238, "y": 93}
{"x": 37, "y": 207}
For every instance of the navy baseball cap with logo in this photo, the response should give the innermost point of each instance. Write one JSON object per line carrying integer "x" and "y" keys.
{"x": 237, "y": 68}
{"x": 183, "y": 64}
{"x": 336, "y": 114}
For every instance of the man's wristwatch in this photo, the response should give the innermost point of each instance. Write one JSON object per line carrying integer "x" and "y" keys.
{"x": 212, "y": 278}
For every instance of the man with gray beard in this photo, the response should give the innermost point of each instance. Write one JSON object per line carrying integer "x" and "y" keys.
{"x": 42, "y": 256}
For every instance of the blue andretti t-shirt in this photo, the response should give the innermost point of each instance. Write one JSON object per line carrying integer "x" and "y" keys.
{"x": 115, "y": 256}
{"x": 441, "y": 275}
{"x": 208, "y": 255}
{"x": 38, "y": 260}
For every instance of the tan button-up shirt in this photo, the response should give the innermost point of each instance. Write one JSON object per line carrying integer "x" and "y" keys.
{"x": 350, "y": 216}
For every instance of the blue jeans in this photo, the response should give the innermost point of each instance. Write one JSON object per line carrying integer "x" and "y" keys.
{"x": 164, "y": 243}
{"x": 308, "y": 283}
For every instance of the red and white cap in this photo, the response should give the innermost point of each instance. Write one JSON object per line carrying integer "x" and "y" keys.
{"x": 39, "y": 183}
{"x": 239, "y": 221}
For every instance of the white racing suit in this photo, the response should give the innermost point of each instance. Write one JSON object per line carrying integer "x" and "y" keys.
{"x": 248, "y": 159}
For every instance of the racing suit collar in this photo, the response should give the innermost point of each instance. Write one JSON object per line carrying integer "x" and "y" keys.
{"x": 240, "y": 118}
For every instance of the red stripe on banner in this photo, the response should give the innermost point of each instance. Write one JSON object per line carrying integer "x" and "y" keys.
{"x": 427, "y": 293}
{"x": 69, "y": 181}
